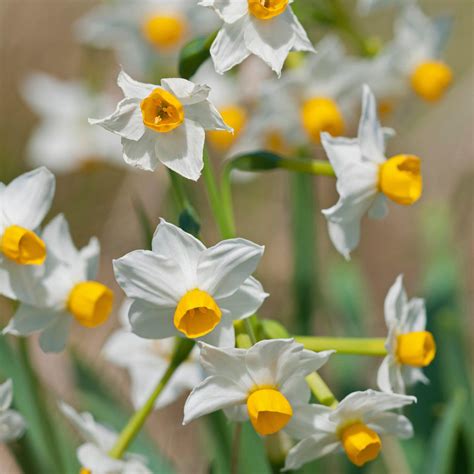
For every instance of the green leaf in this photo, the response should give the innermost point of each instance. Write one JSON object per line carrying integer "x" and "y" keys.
{"x": 145, "y": 223}
{"x": 193, "y": 54}
{"x": 189, "y": 222}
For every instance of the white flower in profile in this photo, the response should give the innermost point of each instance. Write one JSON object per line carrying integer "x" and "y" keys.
{"x": 146, "y": 361}
{"x": 408, "y": 344}
{"x": 267, "y": 28}
{"x": 181, "y": 288}
{"x": 24, "y": 204}
{"x": 366, "y": 178}
{"x": 164, "y": 124}
{"x": 265, "y": 384}
{"x": 353, "y": 426}
{"x": 12, "y": 424}
{"x": 63, "y": 140}
{"x": 99, "y": 440}
{"x": 66, "y": 291}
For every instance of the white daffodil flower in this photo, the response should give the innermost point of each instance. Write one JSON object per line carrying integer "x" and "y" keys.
{"x": 267, "y": 28}
{"x": 181, "y": 288}
{"x": 366, "y": 178}
{"x": 354, "y": 427}
{"x": 147, "y": 360}
{"x": 408, "y": 344}
{"x": 163, "y": 123}
{"x": 65, "y": 292}
{"x": 265, "y": 384}
{"x": 12, "y": 424}
{"x": 63, "y": 140}
{"x": 416, "y": 48}
{"x": 24, "y": 204}
{"x": 146, "y": 34}
{"x": 99, "y": 440}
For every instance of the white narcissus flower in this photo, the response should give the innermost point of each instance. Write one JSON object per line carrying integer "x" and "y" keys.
{"x": 163, "y": 123}
{"x": 181, "y": 288}
{"x": 147, "y": 360}
{"x": 366, "y": 178}
{"x": 66, "y": 291}
{"x": 99, "y": 440}
{"x": 265, "y": 384}
{"x": 267, "y": 28}
{"x": 63, "y": 140}
{"x": 12, "y": 424}
{"x": 408, "y": 344}
{"x": 354, "y": 427}
{"x": 24, "y": 204}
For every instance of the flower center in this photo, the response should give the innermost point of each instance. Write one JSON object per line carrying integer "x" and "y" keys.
{"x": 360, "y": 443}
{"x": 22, "y": 246}
{"x": 400, "y": 179}
{"x": 197, "y": 314}
{"x": 164, "y": 31}
{"x": 431, "y": 79}
{"x": 162, "y": 111}
{"x": 85, "y": 471}
{"x": 235, "y": 117}
{"x": 321, "y": 114}
{"x": 90, "y": 302}
{"x": 269, "y": 410}
{"x": 266, "y": 9}
{"x": 416, "y": 348}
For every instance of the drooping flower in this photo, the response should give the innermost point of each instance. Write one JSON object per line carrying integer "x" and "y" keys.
{"x": 366, "y": 178}
{"x": 12, "y": 424}
{"x": 99, "y": 440}
{"x": 267, "y": 28}
{"x": 410, "y": 347}
{"x": 265, "y": 384}
{"x": 63, "y": 140}
{"x": 66, "y": 291}
{"x": 353, "y": 426}
{"x": 163, "y": 123}
{"x": 24, "y": 204}
{"x": 181, "y": 288}
{"x": 146, "y": 361}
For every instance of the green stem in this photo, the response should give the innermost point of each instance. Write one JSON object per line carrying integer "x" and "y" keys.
{"x": 354, "y": 346}
{"x": 182, "y": 350}
{"x": 316, "y": 167}
{"x": 320, "y": 390}
{"x": 178, "y": 189}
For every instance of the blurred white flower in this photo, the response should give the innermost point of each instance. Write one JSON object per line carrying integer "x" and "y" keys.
{"x": 265, "y": 384}
{"x": 366, "y": 178}
{"x": 12, "y": 424}
{"x": 163, "y": 123}
{"x": 99, "y": 440}
{"x": 146, "y": 361}
{"x": 269, "y": 29}
{"x": 24, "y": 203}
{"x": 65, "y": 291}
{"x": 409, "y": 345}
{"x": 63, "y": 140}
{"x": 181, "y": 288}
{"x": 367, "y": 6}
{"x": 354, "y": 427}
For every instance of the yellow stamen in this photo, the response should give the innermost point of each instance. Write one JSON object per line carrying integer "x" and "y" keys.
{"x": 360, "y": 443}
{"x": 266, "y": 9}
{"x": 22, "y": 246}
{"x": 162, "y": 111}
{"x": 431, "y": 79}
{"x": 235, "y": 117}
{"x": 197, "y": 314}
{"x": 400, "y": 179}
{"x": 321, "y": 114}
{"x": 269, "y": 410}
{"x": 90, "y": 302}
{"x": 164, "y": 31}
{"x": 85, "y": 471}
{"x": 416, "y": 348}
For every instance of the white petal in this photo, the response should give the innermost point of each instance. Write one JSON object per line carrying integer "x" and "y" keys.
{"x": 186, "y": 91}
{"x": 27, "y": 199}
{"x": 59, "y": 241}
{"x": 90, "y": 256}
{"x": 341, "y": 151}
{"x": 222, "y": 336}
{"x": 94, "y": 459}
{"x": 6, "y": 395}
{"x": 206, "y": 115}
{"x": 141, "y": 154}
{"x": 20, "y": 282}
{"x": 395, "y": 305}
{"x": 413, "y": 375}
{"x": 383, "y": 375}
{"x": 301, "y": 41}
{"x": 28, "y": 319}
{"x": 181, "y": 149}
{"x": 12, "y": 426}
{"x": 228, "y": 10}
{"x": 310, "y": 449}
{"x": 134, "y": 89}
{"x": 415, "y": 319}
{"x": 223, "y": 268}
{"x": 54, "y": 337}
{"x": 391, "y": 423}
{"x": 379, "y": 208}
{"x": 304, "y": 422}
{"x": 222, "y": 362}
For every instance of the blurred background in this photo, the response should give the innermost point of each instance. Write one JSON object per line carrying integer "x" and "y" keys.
{"x": 430, "y": 243}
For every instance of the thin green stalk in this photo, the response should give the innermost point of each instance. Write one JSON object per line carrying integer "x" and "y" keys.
{"x": 320, "y": 390}
{"x": 315, "y": 167}
{"x": 353, "y": 346}
{"x": 178, "y": 189}
{"x": 250, "y": 331}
